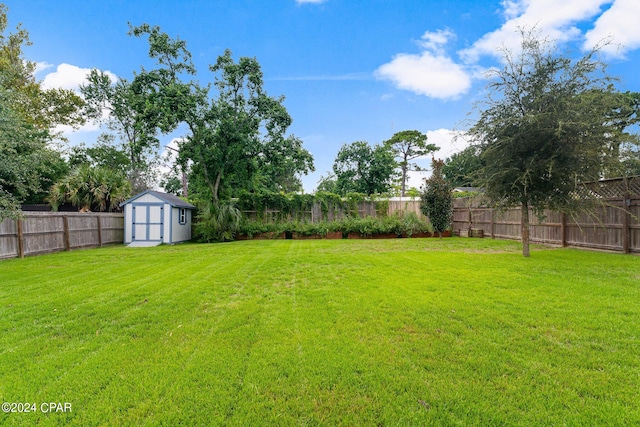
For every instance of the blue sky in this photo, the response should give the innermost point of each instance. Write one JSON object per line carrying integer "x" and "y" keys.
{"x": 350, "y": 69}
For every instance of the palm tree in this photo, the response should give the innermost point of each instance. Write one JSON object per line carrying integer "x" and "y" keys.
{"x": 89, "y": 188}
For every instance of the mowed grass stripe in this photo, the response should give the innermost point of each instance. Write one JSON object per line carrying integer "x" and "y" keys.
{"x": 399, "y": 332}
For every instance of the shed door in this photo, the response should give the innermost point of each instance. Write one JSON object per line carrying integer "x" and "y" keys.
{"x": 148, "y": 222}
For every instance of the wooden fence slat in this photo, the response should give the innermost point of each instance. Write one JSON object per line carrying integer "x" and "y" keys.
{"x": 65, "y": 222}
{"x": 99, "y": 221}
{"x": 626, "y": 223}
{"x": 20, "y": 239}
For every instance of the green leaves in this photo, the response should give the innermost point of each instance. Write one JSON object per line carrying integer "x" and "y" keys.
{"x": 27, "y": 165}
{"x": 28, "y": 117}
{"x": 461, "y": 169}
{"x": 544, "y": 128}
{"x": 237, "y": 139}
{"x": 409, "y": 145}
{"x": 360, "y": 168}
{"x": 436, "y": 201}
{"x": 91, "y": 188}
{"x": 549, "y": 123}
{"x": 218, "y": 222}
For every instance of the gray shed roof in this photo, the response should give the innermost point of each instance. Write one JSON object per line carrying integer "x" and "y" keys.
{"x": 173, "y": 200}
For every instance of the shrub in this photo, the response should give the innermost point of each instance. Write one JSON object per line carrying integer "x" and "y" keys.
{"x": 398, "y": 224}
{"x": 218, "y": 222}
{"x": 436, "y": 201}
{"x": 251, "y": 228}
{"x": 412, "y": 224}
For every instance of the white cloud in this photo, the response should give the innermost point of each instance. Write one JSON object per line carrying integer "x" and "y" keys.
{"x": 431, "y": 73}
{"x": 450, "y": 142}
{"x": 68, "y": 76}
{"x": 436, "y": 74}
{"x": 435, "y": 41}
{"x": 512, "y": 8}
{"x": 618, "y": 24}
{"x": 427, "y": 74}
{"x": 310, "y": 1}
{"x": 68, "y": 130}
{"x": 41, "y": 66}
{"x": 554, "y": 19}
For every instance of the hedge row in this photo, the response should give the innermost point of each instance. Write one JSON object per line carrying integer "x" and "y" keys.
{"x": 407, "y": 224}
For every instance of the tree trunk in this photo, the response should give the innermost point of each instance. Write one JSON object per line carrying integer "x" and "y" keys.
{"x": 404, "y": 181}
{"x": 216, "y": 186}
{"x": 524, "y": 223}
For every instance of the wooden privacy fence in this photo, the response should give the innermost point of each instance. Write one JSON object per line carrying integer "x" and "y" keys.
{"x": 44, "y": 232}
{"x": 405, "y": 205}
{"x": 612, "y": 224}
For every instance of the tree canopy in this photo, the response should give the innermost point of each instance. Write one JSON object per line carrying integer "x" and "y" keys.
{"x": 27, "y": 166}
{"x": 117, "y": 105}
{"x": 360, "y": 168}
{"x": 461, "y": 169}
{"x": 409, "y": 145}
{"x": 545, "y": 127}
{"x": 237, "y": 138}
{"x": 28, "y": 116}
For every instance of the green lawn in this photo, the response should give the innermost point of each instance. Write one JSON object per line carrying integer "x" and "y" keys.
{"x": 377, "y": 332}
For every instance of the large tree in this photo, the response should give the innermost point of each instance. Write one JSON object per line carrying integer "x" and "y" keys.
{"x": 122, "y": 109}
{"x": 42, "y": 108}
{"x": 406, "y": 146}
{"x": 241, "y": 136}
{"x": 282, "y": 163}
{"x": 360, "y": 168}
{"x": 236, "y": 140}
{"x": 29, "y": 163}
{"x": 543, "y": 128}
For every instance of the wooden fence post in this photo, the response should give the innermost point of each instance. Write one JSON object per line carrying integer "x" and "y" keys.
{"x": 493, "y": 223}
{"x": 65, "y": 232}
{"x": 99, "y": 230}
{"x": 20, "y": 238}
{"x": 563, "y": 230}
{"x": 626, "y": 223}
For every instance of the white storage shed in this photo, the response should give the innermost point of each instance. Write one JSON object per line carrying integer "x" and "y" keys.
{"x": 153, "y": 217}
